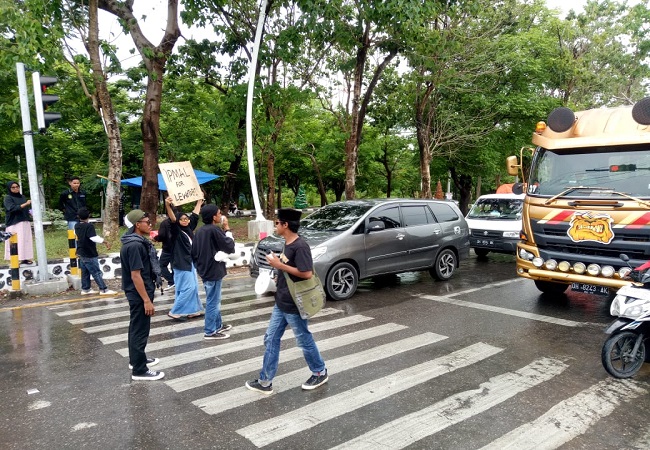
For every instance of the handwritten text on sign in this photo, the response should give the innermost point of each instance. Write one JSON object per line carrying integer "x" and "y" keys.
{"x": 182, "y": 185}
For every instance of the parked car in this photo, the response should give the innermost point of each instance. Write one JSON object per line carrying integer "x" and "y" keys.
{"x": 358, "y": 239}
{"x": 495, "y": 223}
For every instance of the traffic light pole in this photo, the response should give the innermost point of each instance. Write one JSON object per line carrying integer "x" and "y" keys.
{"x": 37, "y": 210}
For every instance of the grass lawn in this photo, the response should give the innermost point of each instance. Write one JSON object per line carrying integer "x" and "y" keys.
{"x": 56, "y": 241}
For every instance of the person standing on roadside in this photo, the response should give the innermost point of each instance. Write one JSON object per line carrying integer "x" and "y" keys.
{"x": 71, "y": 200}
{"x": 213, "y": 237}
{"x": 17, "y": 221}
{"x": 164, "y": 236}
{"x": 87, "y": 241}
{"x": 187, "y": 304}
{"x": 297, "y": 262}
{"x": 139, "y": 272}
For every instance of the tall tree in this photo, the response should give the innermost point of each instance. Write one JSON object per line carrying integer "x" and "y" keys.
{"x": 155, "y": 58}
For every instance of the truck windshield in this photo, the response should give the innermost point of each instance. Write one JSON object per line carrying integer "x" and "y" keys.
{"x": 496, "y": 208}
{"x": 603, "y": 171}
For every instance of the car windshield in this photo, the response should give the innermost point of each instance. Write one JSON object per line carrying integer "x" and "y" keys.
{"x": 496, "y": 208}
{"x": 335, "y": 217}
{"x": 604, "y": 172}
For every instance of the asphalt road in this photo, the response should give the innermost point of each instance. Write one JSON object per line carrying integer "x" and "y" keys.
{"x": 481, "y": 361}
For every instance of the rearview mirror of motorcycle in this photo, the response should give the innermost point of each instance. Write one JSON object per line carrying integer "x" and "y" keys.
{"x": 624, "y": 257}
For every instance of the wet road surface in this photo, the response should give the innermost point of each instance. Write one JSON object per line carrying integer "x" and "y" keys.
{"x": 481, "y": 361}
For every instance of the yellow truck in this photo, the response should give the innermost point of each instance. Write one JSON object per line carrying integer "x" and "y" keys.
{"x": 587, "y": 199}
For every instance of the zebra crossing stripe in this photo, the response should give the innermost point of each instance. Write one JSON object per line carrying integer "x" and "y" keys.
{"x": 301, "y": 419}
{"x": 571, "y": 417}
{"x": 234, "y": 398}
{"x": 123, "y": 303}
{"x": 198, "y": 336}
{"x": 509, "y": 312}
{"x": 222, "y": 349}
{"x": 164, "y": 307}
{"x": 253, "y": 365}
{"x": 413, "y": 427}
{"x": 164, "y": 318}
{"x": 251, "y": 342}
{"x": 179, "y": 326}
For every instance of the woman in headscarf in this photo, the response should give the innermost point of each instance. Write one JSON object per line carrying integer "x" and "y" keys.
{"x": 17, "y": 222}
{"x": 187, "y": 304}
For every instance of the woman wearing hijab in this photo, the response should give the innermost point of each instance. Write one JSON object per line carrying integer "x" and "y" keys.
{"x": 186, "y": 304}
{"x": 17, "y": 222}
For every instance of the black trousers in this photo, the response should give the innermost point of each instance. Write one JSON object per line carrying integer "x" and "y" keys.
{"x": 139, "y": 327}
{"x": 165, "y": 259}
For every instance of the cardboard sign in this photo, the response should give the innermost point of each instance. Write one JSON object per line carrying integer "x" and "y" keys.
{"x": 182, "y": 185}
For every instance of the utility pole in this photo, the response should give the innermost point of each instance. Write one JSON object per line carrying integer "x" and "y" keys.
{"x": 32, "y": 176}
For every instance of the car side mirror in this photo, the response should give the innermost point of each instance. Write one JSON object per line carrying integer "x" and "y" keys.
{"x": 376, "y": 225}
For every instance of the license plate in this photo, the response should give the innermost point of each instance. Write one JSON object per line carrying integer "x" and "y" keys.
{"x": 589, "y": 289}
{"x": 484, "y": 242}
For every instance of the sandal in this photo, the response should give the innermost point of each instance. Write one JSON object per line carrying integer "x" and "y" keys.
{"x": 27, "y": 261}
{"x": 194, "y": 316}
{"x": 178, "y": 318}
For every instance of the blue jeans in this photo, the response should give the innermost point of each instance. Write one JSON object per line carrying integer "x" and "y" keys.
{"x": 212, "y": 306}
{"x": 71, "y": 224}
{"x": 304, "y": 339}
{"x": 90, "y": 266}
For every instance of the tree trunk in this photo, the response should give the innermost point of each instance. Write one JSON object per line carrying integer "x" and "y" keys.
{"x": 104, "y": 107}
{"x": 155, "y": 59}
{"x": 464, "y": 185}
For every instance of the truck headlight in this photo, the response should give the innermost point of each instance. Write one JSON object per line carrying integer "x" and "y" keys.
{"x": 511, "y": 234}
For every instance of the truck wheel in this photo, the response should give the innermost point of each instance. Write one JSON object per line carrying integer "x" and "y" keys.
{"x": 548, "y": 287}
{"x": 481, "y": 252}
{"x": 342, "y": 281}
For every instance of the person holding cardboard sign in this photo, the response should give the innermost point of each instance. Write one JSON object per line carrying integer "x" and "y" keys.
{"x": 187, "y": 304}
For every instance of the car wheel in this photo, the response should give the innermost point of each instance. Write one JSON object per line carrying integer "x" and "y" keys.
{"x": 481, "y": 252}
{"x": 342, "y": 281}
{"x": 445, "y": 265}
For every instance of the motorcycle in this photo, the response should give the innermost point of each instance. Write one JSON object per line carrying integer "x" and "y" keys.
{"x": 628, "y": 347}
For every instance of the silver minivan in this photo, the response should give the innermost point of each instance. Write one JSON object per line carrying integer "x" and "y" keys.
{"x": 358, "y": 239}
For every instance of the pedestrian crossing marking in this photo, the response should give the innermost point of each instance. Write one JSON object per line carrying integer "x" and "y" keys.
{"x": 252, "y": 366}
{"x": 199, "y": 328}
{"x": 413, "y": 427}
{"x": 571, "y": 417}
{"x": 301, "y": 419}
{"x": 344, "y": 339}
{"x": 223, "y": 401}
{"x": 243, "y": 344}
{"x": 164, "y": 307}
{"x": 500, "y": 310}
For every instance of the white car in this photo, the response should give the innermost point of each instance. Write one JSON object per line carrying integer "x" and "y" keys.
{"x": 495, "y": 223}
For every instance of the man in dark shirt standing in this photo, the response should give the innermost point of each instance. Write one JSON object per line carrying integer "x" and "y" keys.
{"x": 87, "y": 241}
{"x": 71, "y": 200}
{"x": 297, "y": 262}
{"x": 208, "y": 240}
{"x": 139, "y": 271}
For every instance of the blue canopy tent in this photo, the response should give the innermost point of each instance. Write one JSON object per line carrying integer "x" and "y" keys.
{"x": 202, "y": 177}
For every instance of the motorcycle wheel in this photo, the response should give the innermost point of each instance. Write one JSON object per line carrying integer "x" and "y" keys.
{"x": 617, "y": 358}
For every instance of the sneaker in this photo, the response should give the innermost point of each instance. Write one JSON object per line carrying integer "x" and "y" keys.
{"x": 315, "y": 381}
{"x": 88, "y": 292}
{"x": 107, "y": 292}
{"x": 256, "y": 386}
{"x": 149, "y": 375}
{"x": 224, "y": 327}
{"x": 150, "y": 362}
{"x": 216, "y": 336}
{"x": 170, "y": 287}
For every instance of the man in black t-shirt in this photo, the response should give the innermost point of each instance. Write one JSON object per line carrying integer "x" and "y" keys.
{"x": 71, "y": 200}
{"x": 87, "y": 241}
{"x": 139, "y": 271}
{"x": 296, "y": 261}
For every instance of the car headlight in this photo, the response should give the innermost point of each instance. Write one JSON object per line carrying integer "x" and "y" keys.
{"x": 317, "y": 252}
{"x": 511, "y": 234}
